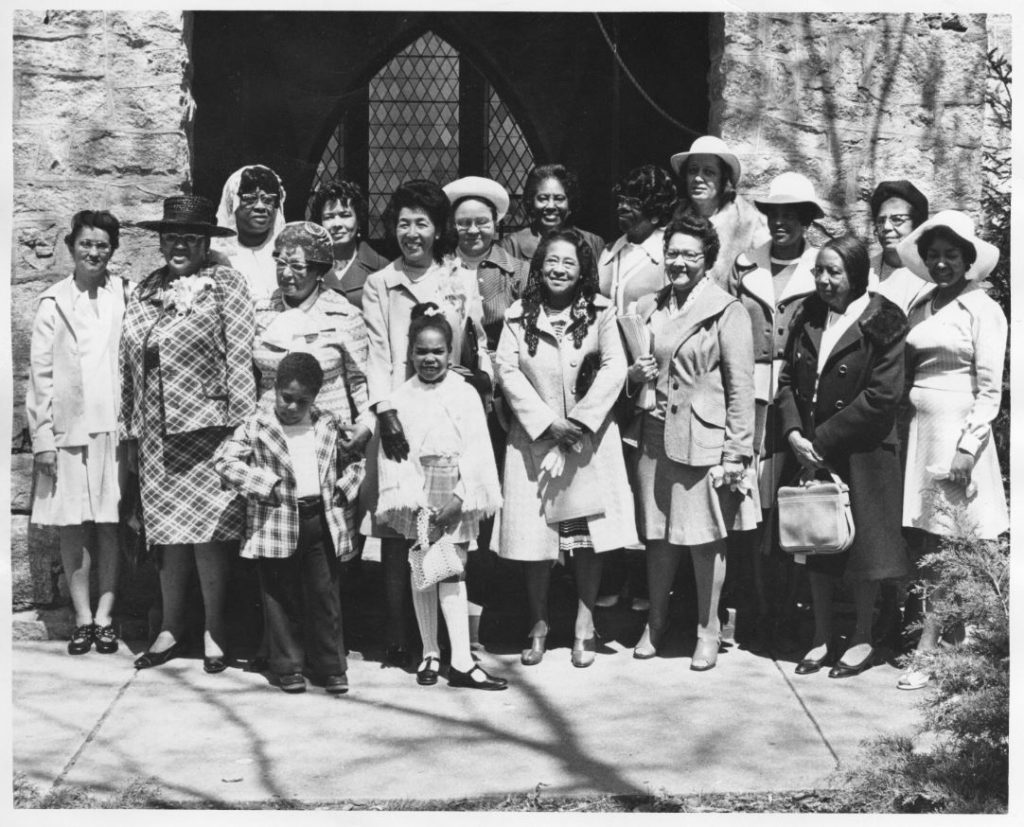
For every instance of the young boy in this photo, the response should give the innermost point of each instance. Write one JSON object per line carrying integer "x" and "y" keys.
{"x": 284, "y": 460}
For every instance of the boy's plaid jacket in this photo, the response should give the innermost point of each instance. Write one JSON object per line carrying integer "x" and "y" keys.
{"x": 256, "y": 457}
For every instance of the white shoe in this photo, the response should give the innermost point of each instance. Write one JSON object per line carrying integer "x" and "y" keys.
{"x": 640, "y": 604}
{"x": 913, "y": 679}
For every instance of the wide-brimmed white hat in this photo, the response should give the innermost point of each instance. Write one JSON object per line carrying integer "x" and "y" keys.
{"x": 790, "y": 188}
{"x": 708, "y": 145}
{"x": 961, "y": 225}
{"x": 473, "y": 186}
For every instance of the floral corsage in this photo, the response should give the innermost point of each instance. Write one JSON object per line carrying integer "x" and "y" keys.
{"x": 184, "y": 292}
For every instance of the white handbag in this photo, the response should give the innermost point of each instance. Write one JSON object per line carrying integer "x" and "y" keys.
{"x": 815, "y": 516}
{"x": 432, "y": 562}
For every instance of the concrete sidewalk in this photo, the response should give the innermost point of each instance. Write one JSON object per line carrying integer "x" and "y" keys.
{"x": 621, "y": 727}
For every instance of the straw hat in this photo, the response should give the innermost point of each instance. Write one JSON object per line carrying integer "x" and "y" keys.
{"x": 473, "y": 186}
{"x": 183, "y": 213}
{"x": 961, "y": 225}
{"x": 790, "y": 188}
{"x": 708, "y": 145}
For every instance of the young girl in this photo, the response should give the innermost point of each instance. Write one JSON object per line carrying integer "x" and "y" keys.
{"x": 451, "y": 472}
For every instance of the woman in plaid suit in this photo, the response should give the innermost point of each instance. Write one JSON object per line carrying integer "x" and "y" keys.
{"x": 186, "y": 382}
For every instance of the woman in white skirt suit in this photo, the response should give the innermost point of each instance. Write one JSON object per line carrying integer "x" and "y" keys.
{"x": 955, "y": 352}
{"x": 561, "y": 366}
{"x": 72, "y": 406}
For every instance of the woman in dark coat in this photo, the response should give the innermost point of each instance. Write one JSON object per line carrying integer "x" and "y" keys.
{"x": 838, "y": 393}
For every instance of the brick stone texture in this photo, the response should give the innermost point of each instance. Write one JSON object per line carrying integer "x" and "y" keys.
{"x": 102, "y": 120}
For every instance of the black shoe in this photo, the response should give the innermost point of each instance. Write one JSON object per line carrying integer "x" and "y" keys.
{"x": 808, "y": 666}
{"x": 148, "y": 660}
{"x": 844, "y": 670}
{"x": 258, "y": 664}
{"x": 292, "y": 683}
{"x": 336, "y": 684}
{"x": 427, "y": 674}
{"x": 469, "y": 679}
{"x": 82, "y": 639}
{"x": 215, "y": 664}
{"x": 105, "y": 639}
{"x": 397, "y": 656}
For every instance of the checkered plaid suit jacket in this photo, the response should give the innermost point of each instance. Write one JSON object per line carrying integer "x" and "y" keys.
{"x": 205, "y": 372}
{"x": 256, "y": 458}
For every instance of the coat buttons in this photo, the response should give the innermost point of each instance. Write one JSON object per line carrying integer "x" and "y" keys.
{"x": 573, "y": 363}
{"x": 842, "y": 370}
{"x": 840, "y": 404}
{"x": 674, "y": 409}
{"x": 675, "y": 386}
{"x": 782, "y": 331}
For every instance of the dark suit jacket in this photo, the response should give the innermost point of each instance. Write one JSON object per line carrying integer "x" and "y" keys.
{"x": 350, "y": 285}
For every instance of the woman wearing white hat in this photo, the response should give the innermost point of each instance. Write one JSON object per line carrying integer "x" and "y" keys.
{"x": 478, "y": 207}
{"x": 955, "y": 353}
{"x": 771, "y": 280}
{"x": 708, "y": 176}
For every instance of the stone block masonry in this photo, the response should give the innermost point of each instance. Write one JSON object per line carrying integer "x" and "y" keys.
{"x": 101, "y": 120}
{"x": 851, "y": 100}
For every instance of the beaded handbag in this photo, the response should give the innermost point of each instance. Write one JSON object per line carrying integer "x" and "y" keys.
{"x": 431, "y": 562}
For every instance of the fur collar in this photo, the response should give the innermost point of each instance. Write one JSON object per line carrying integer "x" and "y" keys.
{"x": 882, "y": 321}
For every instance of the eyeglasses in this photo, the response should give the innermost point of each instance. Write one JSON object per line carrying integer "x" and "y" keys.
{"x": 297, "y": 269}
{"x": 479, "y": 223}
{"x": 628, "y": 201}
{"x": 897, "y": 220}
{"x": 98, "y": 246}
{"x": 687, "y": 255}
{"x": 190, "y": 239}
{"x": 251, "y": 199}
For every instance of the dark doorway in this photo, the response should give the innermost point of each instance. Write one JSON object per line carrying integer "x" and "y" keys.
{"x": 294, "y": 90}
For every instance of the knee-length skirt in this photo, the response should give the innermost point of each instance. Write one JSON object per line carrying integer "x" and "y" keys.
{"x": 183, "y": 500}
{"x": 942, "y": 507}
{"x": 88, "y": 484}
{"x": 679, "y": 503}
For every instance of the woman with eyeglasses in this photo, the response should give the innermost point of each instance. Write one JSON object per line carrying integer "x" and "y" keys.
{"x": 186, "y": 383}
{"x": 897, "y": 209}
{"x": 252, "y": 206}
{"x": 303, "y": 314}
{"x": 478, "y": 207}
{"x": 71, "y": 406}
{"x": 697, "y": 443}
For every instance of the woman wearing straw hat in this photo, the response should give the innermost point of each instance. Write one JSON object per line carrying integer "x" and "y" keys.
{"x": 186, "y": 382}
{"x": 770, "y": 280}
{"x": 955, "y": 352}
{"x": 708, "y": 177}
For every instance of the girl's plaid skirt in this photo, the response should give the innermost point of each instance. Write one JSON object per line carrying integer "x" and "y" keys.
{"x": 440, "y": 476}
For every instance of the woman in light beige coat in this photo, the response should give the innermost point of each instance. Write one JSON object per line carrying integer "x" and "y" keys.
{"x": 561, "y": 366}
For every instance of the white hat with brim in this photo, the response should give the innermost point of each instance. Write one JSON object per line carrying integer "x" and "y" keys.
{"x": 708, "y": 145}
{"x": 790, "y": 188}
{"x": 473, "y": 186}
{"x": 960, "y": 225}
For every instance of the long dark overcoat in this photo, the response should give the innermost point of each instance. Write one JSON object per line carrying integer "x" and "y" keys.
{"x": 852, "y": 424}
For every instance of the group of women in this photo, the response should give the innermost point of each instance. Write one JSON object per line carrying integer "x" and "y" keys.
{"x": 650, "y": 393}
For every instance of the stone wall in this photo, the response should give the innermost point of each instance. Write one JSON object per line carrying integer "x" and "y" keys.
{"x": 100, "y": 121}
{"x": 853, "y": 99}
